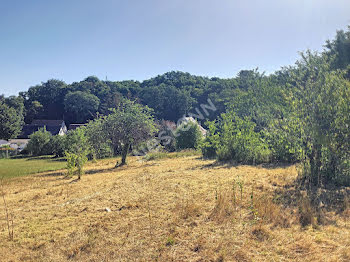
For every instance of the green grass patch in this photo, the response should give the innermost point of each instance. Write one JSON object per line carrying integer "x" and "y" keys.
{"x": 22, "y": 166}
{"x": 163, "y": 155}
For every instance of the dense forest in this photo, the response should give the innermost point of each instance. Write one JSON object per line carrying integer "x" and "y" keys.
{"x": 299, "y": 113}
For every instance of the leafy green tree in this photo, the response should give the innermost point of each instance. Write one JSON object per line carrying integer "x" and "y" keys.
{"x": 50, "y": 96}
{"x": 77, "y": 141}
{"x": 81, "y": 106}
{"x": 34, "y": 109}
{"x": 129, "y": 125}
{"x": 338, "y": 49}
{"x": 98, "y": 140}
{"x": 168, "y": 102}
{"x": 322, "y": 99}
{"x": 77, "y": 151}
{"x": 10, "y": 121}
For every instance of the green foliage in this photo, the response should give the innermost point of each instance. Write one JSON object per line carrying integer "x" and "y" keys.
{"x": 210, "y": 143}
{"x": 47, "y": 98}
{"x": 81, "y": 106}
{"x": 76, "y": 162}
{"x": 284, "y": 137}
{"x": 77, "y": 141}
{"x": 322, "y": 99}
{"x": 188, "y": 136}
{"x": 130, "y": 124}
{"x": 77, "y": 151}
{"x": 98, "y": 140}
{"x": 71, "y": 163}
{"x": 57, "y": 145}
{"x": 168, "y": 102}
{"x": 11, "y": 118}
{"x": 236, "y": 139}
{"x": 38, "y": 143}
{"x": 338, "y": 50}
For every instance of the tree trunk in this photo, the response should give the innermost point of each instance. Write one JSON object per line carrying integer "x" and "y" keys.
{"x": 125, "y": 151}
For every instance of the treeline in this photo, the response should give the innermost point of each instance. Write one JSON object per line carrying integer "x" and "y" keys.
{"x": 300, "y": 113}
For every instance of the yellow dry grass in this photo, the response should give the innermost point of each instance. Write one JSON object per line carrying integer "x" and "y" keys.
{"x": 183, "y": 209}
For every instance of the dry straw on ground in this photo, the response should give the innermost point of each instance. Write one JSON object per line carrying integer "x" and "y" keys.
{"x": 182, "y": 209}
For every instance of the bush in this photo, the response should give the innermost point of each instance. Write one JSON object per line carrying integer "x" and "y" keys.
{"x": 38, "y": 143}
{"x": 188, "y": 136}
{"x": 57, "y": 146}
{"x": 209, "y": 145}
{"x": 285, "y": 140}
{"x": 99, "y": 143}
{"x": 234, "y": 138}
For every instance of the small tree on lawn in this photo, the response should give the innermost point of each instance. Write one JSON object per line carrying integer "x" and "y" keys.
{"x": 78, "y": 148}
{"x": 129, "y": 124}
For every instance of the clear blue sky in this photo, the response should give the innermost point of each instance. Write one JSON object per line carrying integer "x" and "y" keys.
{"x": 139, "y": 39}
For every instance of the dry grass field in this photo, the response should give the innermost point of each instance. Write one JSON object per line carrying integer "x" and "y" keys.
{"x": 180, "y": 209}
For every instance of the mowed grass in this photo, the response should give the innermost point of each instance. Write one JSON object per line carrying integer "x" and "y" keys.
{"x": 14, "y": 167}
{"x": 169, "y": 209}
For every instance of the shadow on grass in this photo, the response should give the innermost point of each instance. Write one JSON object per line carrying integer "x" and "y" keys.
{"x": 323, "y": 201}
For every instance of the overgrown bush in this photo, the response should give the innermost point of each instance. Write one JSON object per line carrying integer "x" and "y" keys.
{"x": 235, "y": 139}
{"x": 57, "y": 146}
{"x": 188, "y": 135}
{"x": 284, "y": 137}
{"x": 322, "y": 100}
{"x": 38, "y": 143}
{"x": 209, "y": 144}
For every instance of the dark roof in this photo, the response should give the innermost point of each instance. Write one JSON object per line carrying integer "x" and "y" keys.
{"x": 75, "y": 126}
{"x": 42, "y": 122}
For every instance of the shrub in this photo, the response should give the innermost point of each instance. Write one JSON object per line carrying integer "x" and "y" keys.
{"x": 285, "y": 140}
{"x": 99, "y": 143}
{"x": 210, "y": 144}
{"x": 76, "y": 162}
{"x": 38, "y": 142}
{"x": 234, "y": 138}
{"x": 188, "y": 136}
{"x": 71, "y": 163}
{"x": 57, "y": 145}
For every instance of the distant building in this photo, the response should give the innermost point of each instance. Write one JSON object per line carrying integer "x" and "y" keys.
{"x": 55, "y": 127}
{"x": 4, "y": 143}
{"x": 18, "y": 144}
